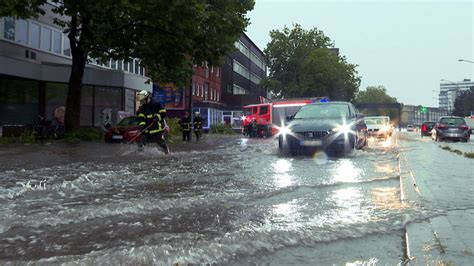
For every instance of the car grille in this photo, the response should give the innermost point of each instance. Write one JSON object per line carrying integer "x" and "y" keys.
{"x": 373, "y": 129}
{"x": 313, "y": 134}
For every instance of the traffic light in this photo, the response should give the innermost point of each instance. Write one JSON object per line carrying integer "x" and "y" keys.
{"x": 423, "y": 109}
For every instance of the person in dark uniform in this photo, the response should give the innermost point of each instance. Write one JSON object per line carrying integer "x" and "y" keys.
{"x": 186, "y": 125}
{"x": 253, "y": 129}
{"x": 152, "y": 121}
{"x": 198, "y": 121}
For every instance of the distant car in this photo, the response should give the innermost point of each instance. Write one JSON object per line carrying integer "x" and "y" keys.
{"x": 126, "y": 130}
{"x": 410, "y": 128}
{"x": 334, "y": 127}
{"x": 378, "y": 126}
{"x": 452, "y": 127}
{"x": 426, "y": 128}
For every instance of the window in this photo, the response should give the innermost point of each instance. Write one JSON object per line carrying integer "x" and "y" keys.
{"x": 206, "y": 91}
{"x": 57, "y": 42}
{"x": 126, "y": 66}
{"x": 242, "y": 48}
{"x": 21, "y": 31}
{"x": 46, "y": 39}
{"x": 206, "y": 72}
{"x": 137, "y": 65}
{"x": 34, "y": 36}
{"x": 113, "y": 64}
{"x": 257, "y": 61}
{"x": 263, "y": 110}
{"x": 120, "y": 65}
{"x": 217, "y": 96}
{"x": 66, "y": 46}
{"x": 142, "y": 71}
{"x": 9, "y": 28}
{"x": 217, "y": 71}
{"x": 237, "y": 90}
{"x": 240, "y": 69}
{"x": 194, "y": 88}
{"x": 255, "y": 79}
{"x": 18, "y": 101}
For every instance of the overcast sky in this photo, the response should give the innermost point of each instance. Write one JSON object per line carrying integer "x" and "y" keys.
{"x": 406, "y": 46}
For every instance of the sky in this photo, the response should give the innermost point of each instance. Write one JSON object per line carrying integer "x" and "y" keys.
{"x": 406, "y": 46}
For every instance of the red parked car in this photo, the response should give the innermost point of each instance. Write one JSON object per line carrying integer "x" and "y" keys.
{"x": 426, "y": 128}
{"x": 125, "y": 131}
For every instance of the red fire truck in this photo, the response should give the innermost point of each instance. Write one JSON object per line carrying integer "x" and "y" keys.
{"x": 271, "y": 116}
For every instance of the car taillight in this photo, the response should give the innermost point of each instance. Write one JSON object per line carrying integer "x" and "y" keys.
{"x": 423, "y": 127}
{"x": 464, "y": 127}
{"x": 442, "y": 126}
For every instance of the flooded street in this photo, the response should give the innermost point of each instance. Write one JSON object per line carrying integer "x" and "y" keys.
{"x": 237, "y": 201}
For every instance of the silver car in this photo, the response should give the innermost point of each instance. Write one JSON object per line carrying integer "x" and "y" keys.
{"x": 452, "y": 127}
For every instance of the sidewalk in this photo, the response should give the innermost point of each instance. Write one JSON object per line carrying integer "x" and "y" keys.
{"x": 442, "y": 181}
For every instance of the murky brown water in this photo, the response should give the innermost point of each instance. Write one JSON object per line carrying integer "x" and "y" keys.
{"x": 228, "y": 200}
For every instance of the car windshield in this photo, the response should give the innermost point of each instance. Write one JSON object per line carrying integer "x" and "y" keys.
{"x": 374, "y": 121}
{"x": 247, "y": 111}
{"x": 128, "y": 121}
{"x": 322, "y": 111}
{"x": 452, "y": 121}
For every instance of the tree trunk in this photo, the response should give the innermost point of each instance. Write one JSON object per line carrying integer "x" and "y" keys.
{"x": 73, "y": 104}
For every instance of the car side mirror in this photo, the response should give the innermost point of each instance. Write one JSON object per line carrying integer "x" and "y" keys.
{"x": 289, "y": 118}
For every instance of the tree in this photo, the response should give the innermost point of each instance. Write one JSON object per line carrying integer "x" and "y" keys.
{"x": 301, "y": 64}
{"x": 376, "y": 94}
{"x": 464, "y": 103}
{"x": 168, "y": 36}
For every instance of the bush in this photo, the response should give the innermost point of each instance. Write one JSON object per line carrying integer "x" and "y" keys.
{"x": 221, "y": 129}
{"x": 28, "y": 137}
{"x": 86, "y": 134}
{"x": 175, "y": 129}
{"x": 8, "y": 140}
{"x": 469, "y": 155}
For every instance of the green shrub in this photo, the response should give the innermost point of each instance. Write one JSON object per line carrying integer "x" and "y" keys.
{"x": 469, "y": 155}
{"x": 85, "y": 133}
{"x": 221, "y": 129}
{"x": 28, "y": 137}
{"x": 8, "y": 140}
{"x": 175, "y": 129}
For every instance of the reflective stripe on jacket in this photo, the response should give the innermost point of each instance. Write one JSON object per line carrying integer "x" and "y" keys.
{"x": 152, "y": 118}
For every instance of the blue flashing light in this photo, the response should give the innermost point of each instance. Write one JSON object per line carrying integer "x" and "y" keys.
{"x": 324, "y": 100}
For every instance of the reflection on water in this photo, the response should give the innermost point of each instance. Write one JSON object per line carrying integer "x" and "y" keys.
{"x": 346, "y": 171}
{"x": 282, "y": 178}
{"x": 287, "y": 215}
{"x": 387, "y": 198}
{"x": 349, "y": 204}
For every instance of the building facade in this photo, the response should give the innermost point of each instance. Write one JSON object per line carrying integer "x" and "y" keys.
{"x": 449, "y": 91}
{"x": 220, "y": 92}
{"x": 413, "y": 115}
{"x": 35, "y": 64}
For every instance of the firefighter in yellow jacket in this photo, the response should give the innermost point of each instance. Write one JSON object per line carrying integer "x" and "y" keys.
{"x": 152, "y": 121}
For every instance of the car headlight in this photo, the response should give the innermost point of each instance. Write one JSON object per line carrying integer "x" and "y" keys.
{"x": 342, "y": 129}
{"x": 285, "y": 131}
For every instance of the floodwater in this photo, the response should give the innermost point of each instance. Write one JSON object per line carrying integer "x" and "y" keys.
{"x": 230, "y": 200}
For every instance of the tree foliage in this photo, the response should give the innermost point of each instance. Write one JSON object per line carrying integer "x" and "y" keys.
{"x": 302, "y": 65}
{"x": 168, "y": 36}
{"x": 464, "y": 103}
{"x": 376, "y": 94}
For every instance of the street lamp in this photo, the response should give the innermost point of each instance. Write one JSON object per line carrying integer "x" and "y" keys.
{"x": 464, "y": 60}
